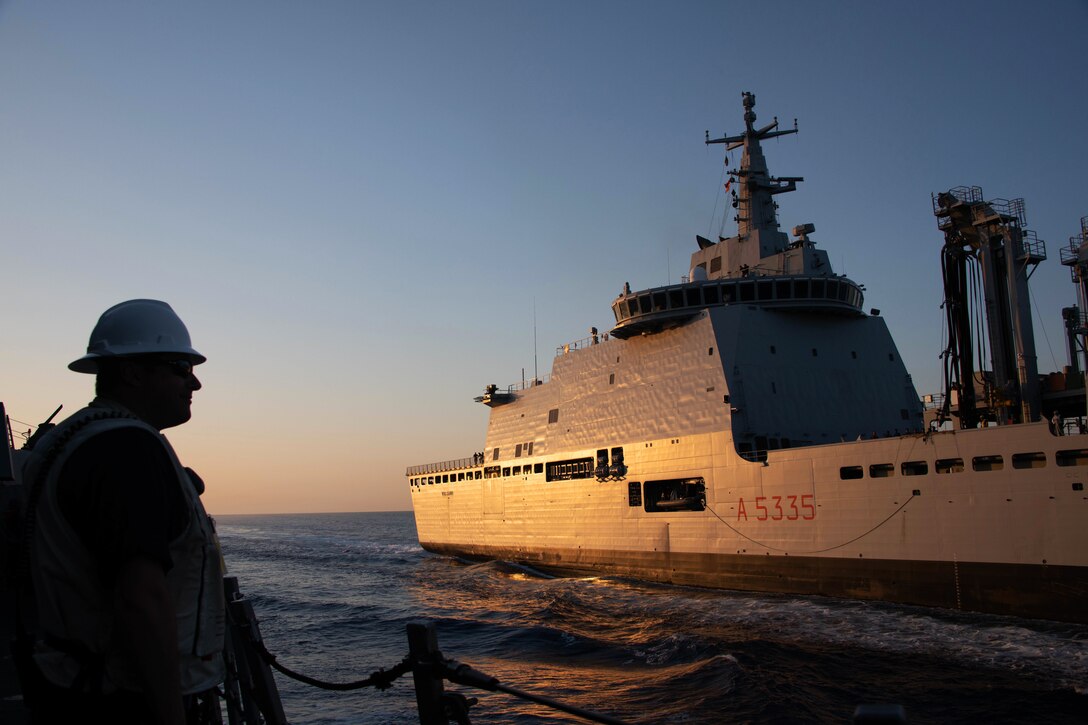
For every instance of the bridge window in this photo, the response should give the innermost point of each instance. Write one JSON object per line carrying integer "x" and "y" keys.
{"x": 847, "y": 473}
{"x": 765, "y": 290}
{"x": 644, "y": 304}
{"x": 800, "y": 288}
{"x": 1036, "y": 459}
{"x": 747, "y": 292}
{"x": 566, "y": 470}
{"x": 914, "y": 468}
{"x": 1072, "y": 458}
{"x": 817, "y": 288}
{"x": 712, "y": 294}
{"x": 693, "y": 297}
{"x": 987, "y": 463}
{"x": 948, "y": 465}
{"x": 676, "y": 298}
{"x": 659, "y": 302}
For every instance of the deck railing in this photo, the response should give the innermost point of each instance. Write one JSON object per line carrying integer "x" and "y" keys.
{"x": 450, "y": 465}
{"x": 585, "y": 342}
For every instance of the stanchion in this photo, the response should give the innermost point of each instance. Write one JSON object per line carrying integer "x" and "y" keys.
{"x": 427, "y": 673}
{"x": 250, "y": 690}
{"x": 437, "y": 707}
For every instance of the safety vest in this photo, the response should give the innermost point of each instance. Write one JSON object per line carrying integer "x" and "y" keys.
{"x": 77, "y": 647}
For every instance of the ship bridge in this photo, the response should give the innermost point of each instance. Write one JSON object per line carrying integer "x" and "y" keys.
{"x": 661, "y": 308}
{"x": 760, "y": 266}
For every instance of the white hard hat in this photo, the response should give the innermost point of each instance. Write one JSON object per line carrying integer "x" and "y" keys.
{"x": 136, "y": 327}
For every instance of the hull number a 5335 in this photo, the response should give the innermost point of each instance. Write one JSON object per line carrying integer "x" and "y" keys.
{"x": 777, "y": 508}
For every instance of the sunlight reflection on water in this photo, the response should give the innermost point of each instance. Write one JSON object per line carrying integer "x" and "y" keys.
{"x": 334, "y": 596}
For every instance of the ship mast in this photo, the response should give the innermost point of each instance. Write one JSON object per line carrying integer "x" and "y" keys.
{"x": 757, "y": 217}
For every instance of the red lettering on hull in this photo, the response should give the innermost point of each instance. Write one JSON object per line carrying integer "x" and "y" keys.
{"x": 776, "y": 512}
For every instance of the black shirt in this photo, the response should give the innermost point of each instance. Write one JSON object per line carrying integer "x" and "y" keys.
{"x": 119, "y": 491}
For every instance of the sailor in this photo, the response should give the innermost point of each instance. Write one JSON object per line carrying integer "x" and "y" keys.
{"x": 1057, "y": 425}
{"x": 126, "y": 568}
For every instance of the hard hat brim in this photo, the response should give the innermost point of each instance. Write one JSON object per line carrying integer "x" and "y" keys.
{"x": 89, "y": 362}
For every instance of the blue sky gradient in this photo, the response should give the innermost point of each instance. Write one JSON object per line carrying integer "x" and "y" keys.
{"x": 367, "y": 211}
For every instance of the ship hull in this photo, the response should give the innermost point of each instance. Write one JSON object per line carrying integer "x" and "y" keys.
{"x": 1023, "y": 590}
{"x": 1005, "y": 533}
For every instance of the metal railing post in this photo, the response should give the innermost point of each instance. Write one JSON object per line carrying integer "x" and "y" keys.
{"x": 427, "y": 673}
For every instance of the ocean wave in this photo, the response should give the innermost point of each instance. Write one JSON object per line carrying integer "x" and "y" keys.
{"x": 337, "y": 602}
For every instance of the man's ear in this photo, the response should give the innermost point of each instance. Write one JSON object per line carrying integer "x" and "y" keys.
{"x": 132, "y": 373}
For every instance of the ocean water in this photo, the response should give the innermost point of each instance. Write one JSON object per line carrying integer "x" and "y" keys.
{"x": 334, "y": 593}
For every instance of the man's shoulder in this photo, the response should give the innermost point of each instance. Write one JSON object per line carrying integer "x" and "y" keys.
{"x": 125, "y": 439}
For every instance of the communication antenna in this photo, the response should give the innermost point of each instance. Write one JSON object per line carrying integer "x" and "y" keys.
{"x": 536, "y": 375}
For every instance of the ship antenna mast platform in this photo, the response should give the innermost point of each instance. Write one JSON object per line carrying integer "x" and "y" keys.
{"x": 757, "y": 210}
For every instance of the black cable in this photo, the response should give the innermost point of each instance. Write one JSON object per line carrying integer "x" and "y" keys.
{"x": 381, "y": 680}
{"x": 453, "y": 671}
{"x": 462, "y": 674}
{"x": 547, "y": 701}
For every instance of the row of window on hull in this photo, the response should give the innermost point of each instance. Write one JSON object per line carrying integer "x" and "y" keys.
{"x": 601, "y": 469}
{"x": 995, "y": 462}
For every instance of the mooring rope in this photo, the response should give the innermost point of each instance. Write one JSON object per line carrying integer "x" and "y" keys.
{"x": 381, "y": 680}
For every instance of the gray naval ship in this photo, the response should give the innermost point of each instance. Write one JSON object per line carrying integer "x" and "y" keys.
{"x": 754, "y": 428}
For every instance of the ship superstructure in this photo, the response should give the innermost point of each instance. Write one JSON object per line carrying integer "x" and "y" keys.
{"x": 754, "y": 428}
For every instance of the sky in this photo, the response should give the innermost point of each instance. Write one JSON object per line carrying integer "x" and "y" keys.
{"x": 365, "y": 212}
